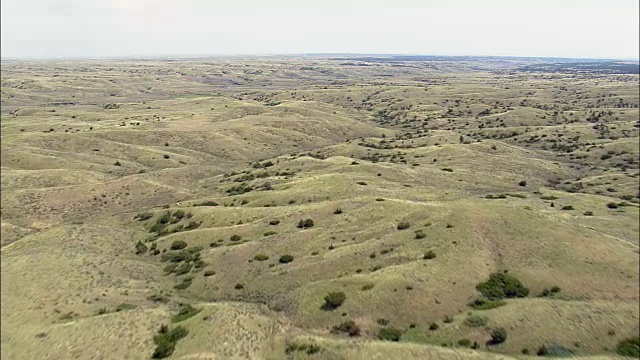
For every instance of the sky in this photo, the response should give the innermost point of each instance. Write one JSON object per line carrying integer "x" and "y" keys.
{"x": 139, "y": 28}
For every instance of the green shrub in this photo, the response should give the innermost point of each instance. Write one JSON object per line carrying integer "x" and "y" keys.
{"x": 486, "y": 304}
{"x": 389, "y": 334}
{"x": 629, "y": 347}
{"x": 170, "y": 268}
{"x": 348, "y": 327}
{"x": 567, "y": 207}
{"x": 261, "y": 257}
{"x": 178, "y": 256}
{"x": 305, "y": 224}
{"x": 429, "y": 255}
{"x": 498, "y": 335}
{"x": 502, "y": 285}
{"x": 588, "y": 213}
{"x": 403, "y": 225}
{"x": 186, "y": 282}
{"x": 178, "y": 245}
{"x": 185, "y": 312}
{"x": 475, "y": 320}
{"x": 548, "y": 197}
{"x": 269, "y": 233}
{"x": 183, "y": 268}
{"x": 307, "y": 348}
{"x": 141, "y": 248}
{"x": 274, "y": 222}
{"x": 284, "y": 259}
{"x": 368, "y": 286}
{"x": 333, "y": 300}
{"x": 464, "y": 342}
{"x": 235, "y": 237}
{"x": 166, "y": 341}
{"x": 433, "y": 326}
{"x": 206, "y": 203}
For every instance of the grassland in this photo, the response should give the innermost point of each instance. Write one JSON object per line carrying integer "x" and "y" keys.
{"x": 131, "y": 188}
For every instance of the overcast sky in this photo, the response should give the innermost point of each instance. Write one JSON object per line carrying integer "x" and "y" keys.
{"x": 105, "y": 28}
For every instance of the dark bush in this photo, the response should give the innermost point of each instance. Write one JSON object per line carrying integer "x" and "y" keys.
{"x": 629, "y": 347}
{"x": 433, "y": 327}
{"x": 567, "y": 207}
{"x": 447, "y": 319}
{"x": 498, "y": 335}
{"x": 308, "y": 223}
{"x": 420, "y": 234}
{"x": 178, "y": 245}
{"x": 238, "y": 286}
{"x": 338, "y": 211}
{"x": 185, "y": 312}
{"x": 333, "y": 300}
{"x": 588, "y": 213}
{"x": 429, "y": 255}
{"x": 274, "y": 222}
{"x": 235, "y": 237}
{"x": 141, "y": 248}
{"x": 209, "y": 273}
{"x": 389, "y": 334}
{"x": 522, "y": 183}
{"x": 348, "y": 327}
{"x": 403, "y": 225}
{"x": 486, "y": 304}
{"x": 502, "y": 285}
{"x": 284, "y": 259}
{"x": 612, "y": 205}
{"x": 166, "y": 341}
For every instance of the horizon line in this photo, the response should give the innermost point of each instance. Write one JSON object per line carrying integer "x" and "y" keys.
{"x": 303, "y": 54}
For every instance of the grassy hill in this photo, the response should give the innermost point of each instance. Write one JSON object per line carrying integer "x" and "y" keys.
{"x": 229, "y": 199}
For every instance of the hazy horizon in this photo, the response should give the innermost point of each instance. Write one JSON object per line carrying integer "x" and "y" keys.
{"x": 69, "y": 29}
